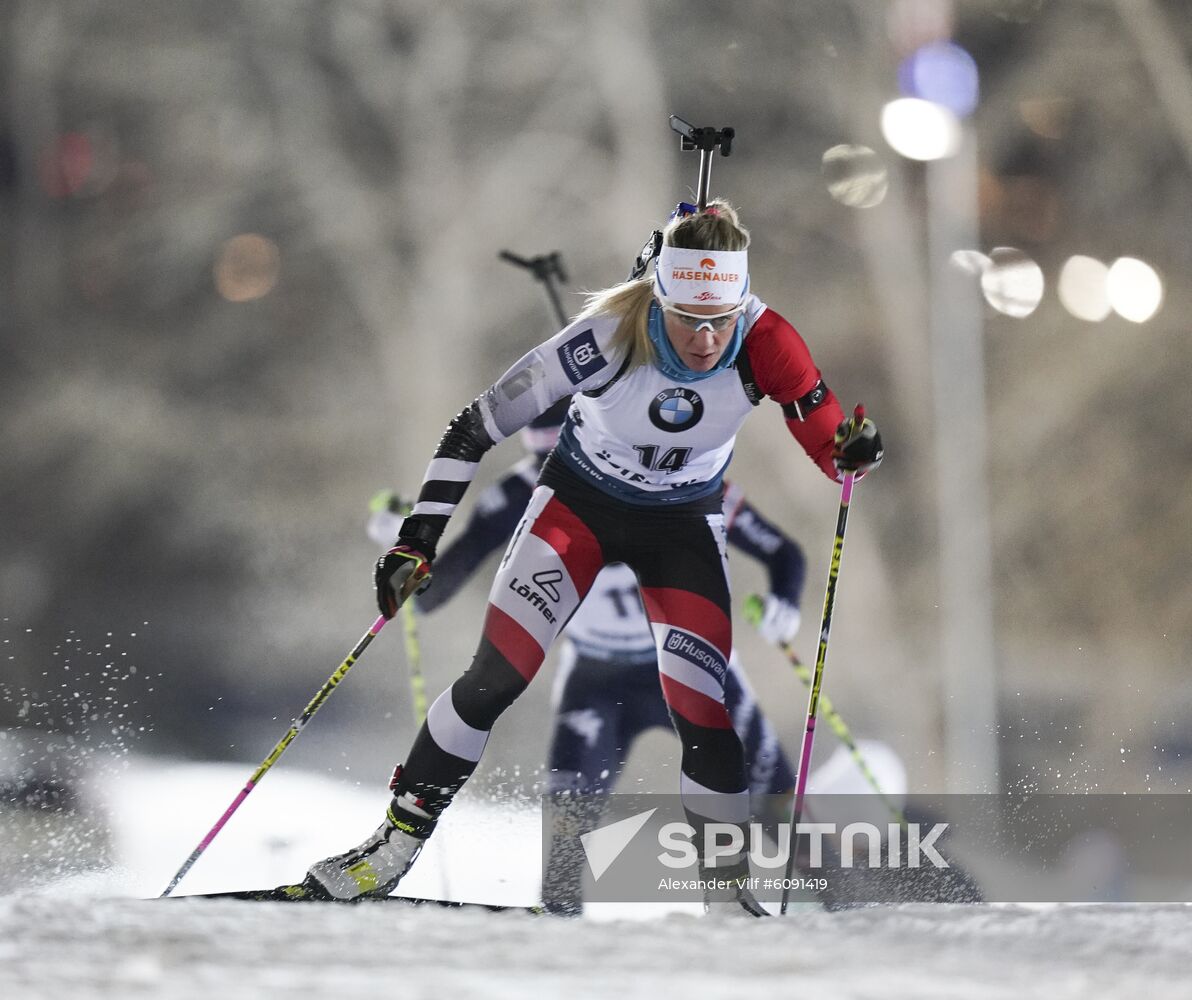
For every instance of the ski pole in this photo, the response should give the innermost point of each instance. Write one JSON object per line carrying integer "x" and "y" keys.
{"x": 387, "y": 502}
{"x": 414, "y": 659}
{"x": 545, "y": 268}
{"x": 413, "y": 652}
{"x": 821, "y": 656}
{"x": 753, "y": 614}
{"x": 295, "y": 728}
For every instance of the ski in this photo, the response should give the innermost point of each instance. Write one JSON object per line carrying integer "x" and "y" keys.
{"x": 301, "y": 893}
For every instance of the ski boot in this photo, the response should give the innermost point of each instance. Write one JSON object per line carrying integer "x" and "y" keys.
{"x": 375, "y": 866}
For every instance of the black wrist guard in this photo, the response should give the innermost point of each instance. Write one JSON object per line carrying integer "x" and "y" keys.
{"x": 419, "y": 533}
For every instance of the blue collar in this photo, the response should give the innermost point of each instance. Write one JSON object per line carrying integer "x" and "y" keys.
{"x": 668, "y": 360}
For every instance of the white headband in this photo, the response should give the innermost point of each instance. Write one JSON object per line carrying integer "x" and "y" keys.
{"x": 704, "y": 277}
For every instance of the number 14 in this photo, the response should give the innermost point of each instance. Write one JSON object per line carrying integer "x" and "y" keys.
{"x": 672, "y": 460}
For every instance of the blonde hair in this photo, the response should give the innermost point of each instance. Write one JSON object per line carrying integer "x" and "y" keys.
{"x": 715, "y": 228}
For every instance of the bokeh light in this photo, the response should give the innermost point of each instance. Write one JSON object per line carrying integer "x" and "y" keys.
{"x": 1135, "y": 290}
{"x": 1083, "y": 288}
{"x": 943, "y": 73}
{"x": 855, "y": 175}
{"x": 65, "y": 165}
{"x": 920, "y": 130}
{"x": 1012, "y": 282}
{"x": 247, "y": 267}
{"x": 970, "y": 262}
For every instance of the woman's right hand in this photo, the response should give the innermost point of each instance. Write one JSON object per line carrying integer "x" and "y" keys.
{"x": 400, "y": 573}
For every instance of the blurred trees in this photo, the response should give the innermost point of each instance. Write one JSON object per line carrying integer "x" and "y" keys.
{"x": 201, "y": 460}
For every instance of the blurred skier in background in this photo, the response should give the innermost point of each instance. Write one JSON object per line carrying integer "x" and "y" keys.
{"x": 606, "y": 690}
{"x": 663, "y": 371}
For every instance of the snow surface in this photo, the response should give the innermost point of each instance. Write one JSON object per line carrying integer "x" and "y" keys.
{"x": 87, "y": 935}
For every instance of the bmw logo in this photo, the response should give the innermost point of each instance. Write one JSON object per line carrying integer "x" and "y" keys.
{"x": 676, "y": 410}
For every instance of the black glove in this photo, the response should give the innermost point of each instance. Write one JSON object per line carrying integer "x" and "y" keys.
{"x": 858, "y": 445}
{"x": 405, "y": 569}
{"x": 401, "y": 572}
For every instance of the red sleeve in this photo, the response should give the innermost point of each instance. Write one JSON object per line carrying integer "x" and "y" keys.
{"x": 784, "y": 371}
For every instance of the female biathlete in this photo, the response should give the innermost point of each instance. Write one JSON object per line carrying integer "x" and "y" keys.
{"x": 663, "y": 370}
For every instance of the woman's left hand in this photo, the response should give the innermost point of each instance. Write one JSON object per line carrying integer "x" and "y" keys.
{"x": 858, "y": 447}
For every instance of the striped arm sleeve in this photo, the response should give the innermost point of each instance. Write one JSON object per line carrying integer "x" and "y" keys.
{"x": 447, "y": 479}
{"x": 443, "y": 486}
